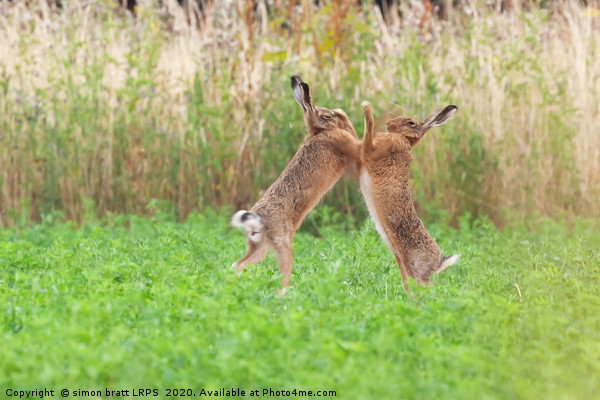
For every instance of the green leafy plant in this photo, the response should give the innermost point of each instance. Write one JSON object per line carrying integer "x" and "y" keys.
{"x": 128, "y": 302}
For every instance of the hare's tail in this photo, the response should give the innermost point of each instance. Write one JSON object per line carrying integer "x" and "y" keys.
{"x": 251, "y": 224}
{"x": 447, "y": 261}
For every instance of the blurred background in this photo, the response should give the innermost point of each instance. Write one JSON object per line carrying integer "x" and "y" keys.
{"x": 109, "y": 107}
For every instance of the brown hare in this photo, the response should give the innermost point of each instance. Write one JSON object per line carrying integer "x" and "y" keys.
{"x": 386, "y": 160}
{"x": 330, "y": 148}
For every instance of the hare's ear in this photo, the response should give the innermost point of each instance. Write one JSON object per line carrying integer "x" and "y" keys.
{"x": 436, "y": 118}
{"x": 302, "y": 95}
{"x": 440, "y": 116}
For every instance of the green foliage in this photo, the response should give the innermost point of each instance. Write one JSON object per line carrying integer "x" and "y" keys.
{"x": 148, "y": 302}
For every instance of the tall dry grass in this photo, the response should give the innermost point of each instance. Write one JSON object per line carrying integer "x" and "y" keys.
{"x": 100, "y": 111}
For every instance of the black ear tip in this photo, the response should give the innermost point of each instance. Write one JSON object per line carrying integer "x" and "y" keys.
{"x": 296, "y": 80}
{"x": 304, "y": 86}
{"x": 452, "y": 107}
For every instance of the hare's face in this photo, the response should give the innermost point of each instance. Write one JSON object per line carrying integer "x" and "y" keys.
{"x": 325, "y": 119}
{"x": 410, "y": 128}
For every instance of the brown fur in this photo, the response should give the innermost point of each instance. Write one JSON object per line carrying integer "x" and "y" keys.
{"x": 331, "y": 148}
{"x": 386, "y": 160}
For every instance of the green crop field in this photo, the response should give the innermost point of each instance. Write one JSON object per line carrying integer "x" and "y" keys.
{"x": 151, "y": 303}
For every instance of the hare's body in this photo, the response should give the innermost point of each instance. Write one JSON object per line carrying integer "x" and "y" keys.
{"x": 384, "y": 180}
{"x": 300, "y": 187}
{"x": 385, "y": 187}
{"x": 330, "y": 149}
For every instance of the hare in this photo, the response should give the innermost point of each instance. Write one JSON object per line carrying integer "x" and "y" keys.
{"x": 386, "y": 159}
{"x": 331, "y": 148}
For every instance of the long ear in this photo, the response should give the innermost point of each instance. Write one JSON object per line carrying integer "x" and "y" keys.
{"x": 440, "y": 116}
{"x": 367, "y": 144}
{"x": 302, "y": 95}
{"x": 436, "y": 118}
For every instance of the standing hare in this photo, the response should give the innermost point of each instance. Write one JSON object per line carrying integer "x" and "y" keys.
{"x": 386, "y": 159}
{"x": 331, "y": 148}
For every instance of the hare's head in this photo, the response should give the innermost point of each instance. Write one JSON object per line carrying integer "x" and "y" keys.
{"x": 413, "y": 129}
{"x": 318, "y": 119}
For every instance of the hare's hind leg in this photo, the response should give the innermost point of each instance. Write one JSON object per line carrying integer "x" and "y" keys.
{"x": 403, "y": 273}
{"x": 256, "y": 253}
{"x": 283, "y": 252}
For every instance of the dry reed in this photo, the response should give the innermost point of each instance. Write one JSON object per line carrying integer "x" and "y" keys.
{"x": 101, "y": 111}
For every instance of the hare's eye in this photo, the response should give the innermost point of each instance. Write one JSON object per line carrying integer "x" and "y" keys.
{"x": 411, "y": 123}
